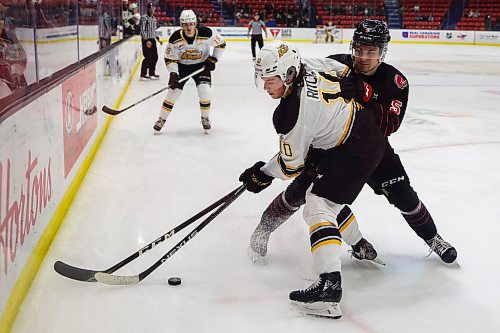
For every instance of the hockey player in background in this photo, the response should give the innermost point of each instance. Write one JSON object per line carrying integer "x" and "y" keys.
{"x": 329, "y": 32}
{"x": 384, "y": 91}
{"x": 131, "y": 19}
{"x": 188, "y": 50}
{"x": 331, "y": 140}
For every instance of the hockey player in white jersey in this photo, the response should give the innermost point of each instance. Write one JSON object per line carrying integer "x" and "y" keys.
{"x": 188, "y": 50}
{"x": 332, "y": 139}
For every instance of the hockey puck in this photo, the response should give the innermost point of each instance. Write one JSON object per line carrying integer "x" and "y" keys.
{"x": 174, "y": 281}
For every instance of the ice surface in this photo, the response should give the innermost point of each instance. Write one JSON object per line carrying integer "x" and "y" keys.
{"x": 142, "y": 185}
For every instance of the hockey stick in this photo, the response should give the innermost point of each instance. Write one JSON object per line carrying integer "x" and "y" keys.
{"x": 87, "y": 275}
{"x": 107, "y": 278}
{"x": 113, "y": 112}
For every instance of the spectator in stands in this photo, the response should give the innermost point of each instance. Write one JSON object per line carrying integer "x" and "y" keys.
{"x": 416, "y": 8}
{"x": 487, "y": 23}
{"x": 13, "y": 58}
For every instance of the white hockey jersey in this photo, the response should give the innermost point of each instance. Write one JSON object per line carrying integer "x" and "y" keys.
{"x": 189, "y": 51}
{"x": 314, "y": 115}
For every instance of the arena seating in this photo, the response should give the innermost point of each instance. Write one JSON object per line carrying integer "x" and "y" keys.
{"x": 426, "y": 14}
{"x": 475, "y": 13}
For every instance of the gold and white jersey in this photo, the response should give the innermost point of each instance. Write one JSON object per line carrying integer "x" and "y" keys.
{"x": 314, "y": 115}
{"x": 188, "y": 51}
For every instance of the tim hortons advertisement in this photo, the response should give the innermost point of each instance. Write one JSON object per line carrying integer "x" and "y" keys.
{"x": 79, "y": 98}
{"x": 25, "y": 191}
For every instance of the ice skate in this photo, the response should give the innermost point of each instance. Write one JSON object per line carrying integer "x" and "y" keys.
{"x": 159, "y": 124}
{"x": 205, "y": 122}
{"x": 364, "y": 250}
{"x": 443, "y": 249}
{"x": 154, "y": 77}
{"x": 321, "y": 298}
{"x": 145, "y": 78}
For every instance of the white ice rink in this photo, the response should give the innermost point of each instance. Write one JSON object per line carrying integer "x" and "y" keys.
{"x": 142, "y": 185}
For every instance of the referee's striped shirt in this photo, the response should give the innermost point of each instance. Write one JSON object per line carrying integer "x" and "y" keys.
{"x": 148, "y": 27}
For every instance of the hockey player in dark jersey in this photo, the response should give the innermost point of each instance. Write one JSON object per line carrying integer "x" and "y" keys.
{"x": 188, "y": 50}
{"x": 384, "y": 91}
{"x": 347, "y": 147}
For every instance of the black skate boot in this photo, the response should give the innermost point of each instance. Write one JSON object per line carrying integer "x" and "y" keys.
{"x": 443, "y": 249}
{"x": 364, "y": 250}
{"x": 322, "y": 297}
{"x": 159, "y": 124}
{"x": 205, "y": 122}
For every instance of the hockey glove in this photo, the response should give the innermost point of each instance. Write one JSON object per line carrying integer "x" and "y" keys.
{"x": 210, "y": 63}
{"x": 353, "y": 86}
{"x": 255, "y": 179}
{"x": 173, "y": 81}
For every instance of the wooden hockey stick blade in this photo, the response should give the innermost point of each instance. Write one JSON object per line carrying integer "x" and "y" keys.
{"x": 75, "y": 273}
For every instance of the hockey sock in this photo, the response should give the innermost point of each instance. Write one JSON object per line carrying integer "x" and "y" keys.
{"x": 420, "y": 220}
{"x": 169, "y": 101}
{"x": 276, "y": 214}
{"x": 348, "y": 226}
{"x": 166, "y": 108}
{"x": 205, "y": 108}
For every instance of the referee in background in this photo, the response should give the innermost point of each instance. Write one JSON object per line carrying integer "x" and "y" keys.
{"x": 256, "y": 26}
{"x": 149, "y": 38}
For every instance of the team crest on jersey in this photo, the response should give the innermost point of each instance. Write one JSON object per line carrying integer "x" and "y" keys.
{"x": 191, "y": 55}
{"x": 282, "y": 49}
{"x": 368, "y": 92}
{"x": 400, "y": 82}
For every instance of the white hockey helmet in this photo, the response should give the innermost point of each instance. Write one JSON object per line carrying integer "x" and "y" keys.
{"x": 187, "y": 16}
{"x": 133, "y": 6}
{"x": 278, "y": 58}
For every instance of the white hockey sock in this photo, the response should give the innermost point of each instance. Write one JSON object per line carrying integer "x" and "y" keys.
{"x": 320, "y": 215}
{"x": 169, "y": 101}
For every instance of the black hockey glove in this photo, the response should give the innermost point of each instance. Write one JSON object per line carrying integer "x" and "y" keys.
{"x": 311, "y": 163}
{"x": 352, "y": 86}
{"x": 255, "y": 179}
{"x": 210, "y": 63}
{"x": 173, "y": 81}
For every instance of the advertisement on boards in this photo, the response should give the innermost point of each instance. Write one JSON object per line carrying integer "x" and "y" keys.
{"x": 79, "y": 98}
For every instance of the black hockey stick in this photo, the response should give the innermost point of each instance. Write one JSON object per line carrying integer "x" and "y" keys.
{"x": 113, "y": 112}
{"x": 107, "y": 278}
{"x": 87, "y": 275}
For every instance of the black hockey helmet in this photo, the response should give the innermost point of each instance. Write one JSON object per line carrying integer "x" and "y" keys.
{"x": 151, "y": 5}
{"x": 372, "y": 32}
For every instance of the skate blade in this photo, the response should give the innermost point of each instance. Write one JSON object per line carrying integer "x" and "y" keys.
{"x": 256, "y": 258}
{"x": 377, "y": 260}
{"x": 453, "y": 264}
{"x": 319, "y": 309}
